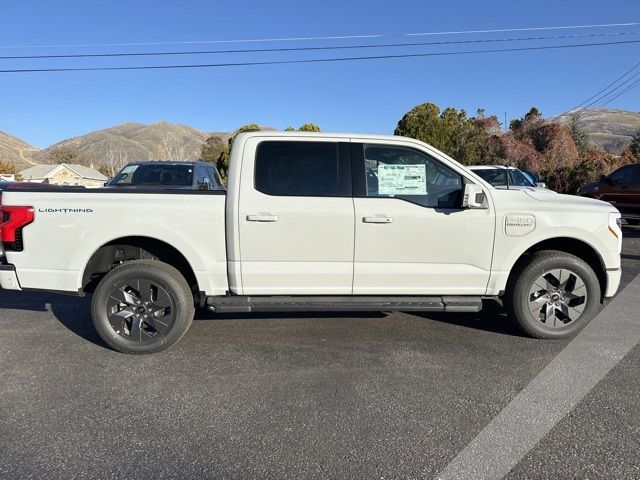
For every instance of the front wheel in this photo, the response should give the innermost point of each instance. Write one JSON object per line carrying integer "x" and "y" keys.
{"x": 142, "y": 306}
{"x": 554, "y": 296}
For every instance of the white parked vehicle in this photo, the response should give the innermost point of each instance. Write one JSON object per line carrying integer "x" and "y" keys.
{"x": 315, "y": 222}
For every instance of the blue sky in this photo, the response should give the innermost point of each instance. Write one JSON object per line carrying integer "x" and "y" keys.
{"x": 357, "y": 97}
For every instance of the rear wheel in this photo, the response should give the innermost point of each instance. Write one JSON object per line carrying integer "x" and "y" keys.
{"x": 554, "y": 296}
{"x": 142, "y": 306}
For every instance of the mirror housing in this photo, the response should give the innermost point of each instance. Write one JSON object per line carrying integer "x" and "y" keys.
{"x": 474, "y": 196}
{"x": 541, "y": 185}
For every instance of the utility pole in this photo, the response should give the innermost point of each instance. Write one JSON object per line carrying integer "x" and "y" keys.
{"x": 505, "y": 121}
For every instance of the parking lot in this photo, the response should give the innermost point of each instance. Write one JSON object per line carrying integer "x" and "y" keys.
{"x": 291, "y": 396}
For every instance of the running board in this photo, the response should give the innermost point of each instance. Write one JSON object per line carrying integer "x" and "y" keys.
{"x": 250, "y": 303}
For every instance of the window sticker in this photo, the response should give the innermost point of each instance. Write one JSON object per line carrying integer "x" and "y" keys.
{"x": 402, "y": 179}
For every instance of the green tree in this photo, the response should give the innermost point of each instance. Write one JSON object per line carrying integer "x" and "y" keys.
{"x": 7, "y": 167}
{"x": 211, "y": 149}
{"x": 106, "y": 171}
{"x": 579, "y": 134}
{"x": 631, "y": 154}
{"x": 309, "y": 127}
{"x": 67, "y": 154}
{"x": 423, "y": 123}
{"x": 222, "y": 164}
{"x": 634, "y": 148}
{"x": 451, "y": 131}
{"x": 521, "y": 127}
{"x": 591, "y": 165}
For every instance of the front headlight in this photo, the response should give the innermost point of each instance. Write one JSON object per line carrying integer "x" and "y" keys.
{"x": 615, "y": 228}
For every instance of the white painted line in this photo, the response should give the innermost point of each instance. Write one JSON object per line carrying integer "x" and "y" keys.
{"x": 553, "y": 393}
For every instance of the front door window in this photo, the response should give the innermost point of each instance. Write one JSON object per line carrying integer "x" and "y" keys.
{"x": 398, "y": 172}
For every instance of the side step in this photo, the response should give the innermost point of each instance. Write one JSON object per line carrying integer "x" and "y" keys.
{"x": 250, "y": 303}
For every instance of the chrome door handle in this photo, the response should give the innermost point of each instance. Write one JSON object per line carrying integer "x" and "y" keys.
{"x": 262, "y": 217}
{"x": 378, "y": 219}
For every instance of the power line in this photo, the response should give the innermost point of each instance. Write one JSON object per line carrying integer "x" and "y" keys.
{"x": 324, "y": 37}
{"x": 608, "y": 101}
{"x": 301, "y": 49}
{"x": 630, "y": 87}
{"x": 502, "y": 30}
{"x": 577, "y": 110}
{"x": 612, "y": 91}
{"x": 317, "y": 60}
{"x": 605, "y": 101}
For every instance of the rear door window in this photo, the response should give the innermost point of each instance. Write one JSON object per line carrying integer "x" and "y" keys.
{"x": 287, "y": 168}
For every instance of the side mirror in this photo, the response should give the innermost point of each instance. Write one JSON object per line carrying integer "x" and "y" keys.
{"x": 474, "y": 197}
{"x": 541, "y": 185}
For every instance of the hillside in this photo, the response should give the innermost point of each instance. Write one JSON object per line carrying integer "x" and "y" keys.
{"x": 16, "y": 151}
{"x": 610, "y": 130}
{"x": 134, "y": 141}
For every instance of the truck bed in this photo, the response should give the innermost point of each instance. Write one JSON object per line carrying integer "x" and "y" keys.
{"x": 71, "y": 224}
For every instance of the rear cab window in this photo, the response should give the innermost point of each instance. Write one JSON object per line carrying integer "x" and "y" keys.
{"x": 154, "y": 174}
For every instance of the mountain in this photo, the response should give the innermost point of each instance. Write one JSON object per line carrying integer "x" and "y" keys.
{"x": 133, "y": 141}
{"x": 610, "y": 130}
{"x": 16, "y": 151}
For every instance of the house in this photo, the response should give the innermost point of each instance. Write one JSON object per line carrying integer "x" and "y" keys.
{"x": 64, "y": 174}
{"x": 7, "y": 177}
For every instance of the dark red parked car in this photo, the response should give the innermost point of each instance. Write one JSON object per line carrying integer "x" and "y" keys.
{"x": 620, "y": 188}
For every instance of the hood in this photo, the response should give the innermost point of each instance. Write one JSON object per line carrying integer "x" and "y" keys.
{"x": 568, "y": 200}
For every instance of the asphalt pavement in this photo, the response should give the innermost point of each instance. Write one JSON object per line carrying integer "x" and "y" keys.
{"x": 292, "y": 396}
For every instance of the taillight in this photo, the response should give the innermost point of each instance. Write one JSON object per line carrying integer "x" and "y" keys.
{"x": 14, "y": 219}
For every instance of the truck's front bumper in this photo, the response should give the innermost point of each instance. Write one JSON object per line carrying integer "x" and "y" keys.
{"x": 613, "y": 282}
{"x": 8, "y": 278}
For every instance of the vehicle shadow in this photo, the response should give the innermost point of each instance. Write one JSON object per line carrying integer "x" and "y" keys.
{"x": 70, "y": 310}
{"x": 492, "y": 318}
{"x": 74, "y": 314}
{"x": 202, "y": 314}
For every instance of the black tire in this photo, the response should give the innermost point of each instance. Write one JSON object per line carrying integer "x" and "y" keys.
{"x": 119, "y": 301}
{"x": 633, "y": 221}
{"x": 519, "y": 296}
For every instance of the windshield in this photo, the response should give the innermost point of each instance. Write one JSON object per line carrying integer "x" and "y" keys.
{"x": 498, "y": 177}
{"x": 154, "y": 174}
{"x": 519, "y": 179}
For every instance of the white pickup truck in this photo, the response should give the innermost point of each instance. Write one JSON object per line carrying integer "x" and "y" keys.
{"x": 314, "y": 222}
